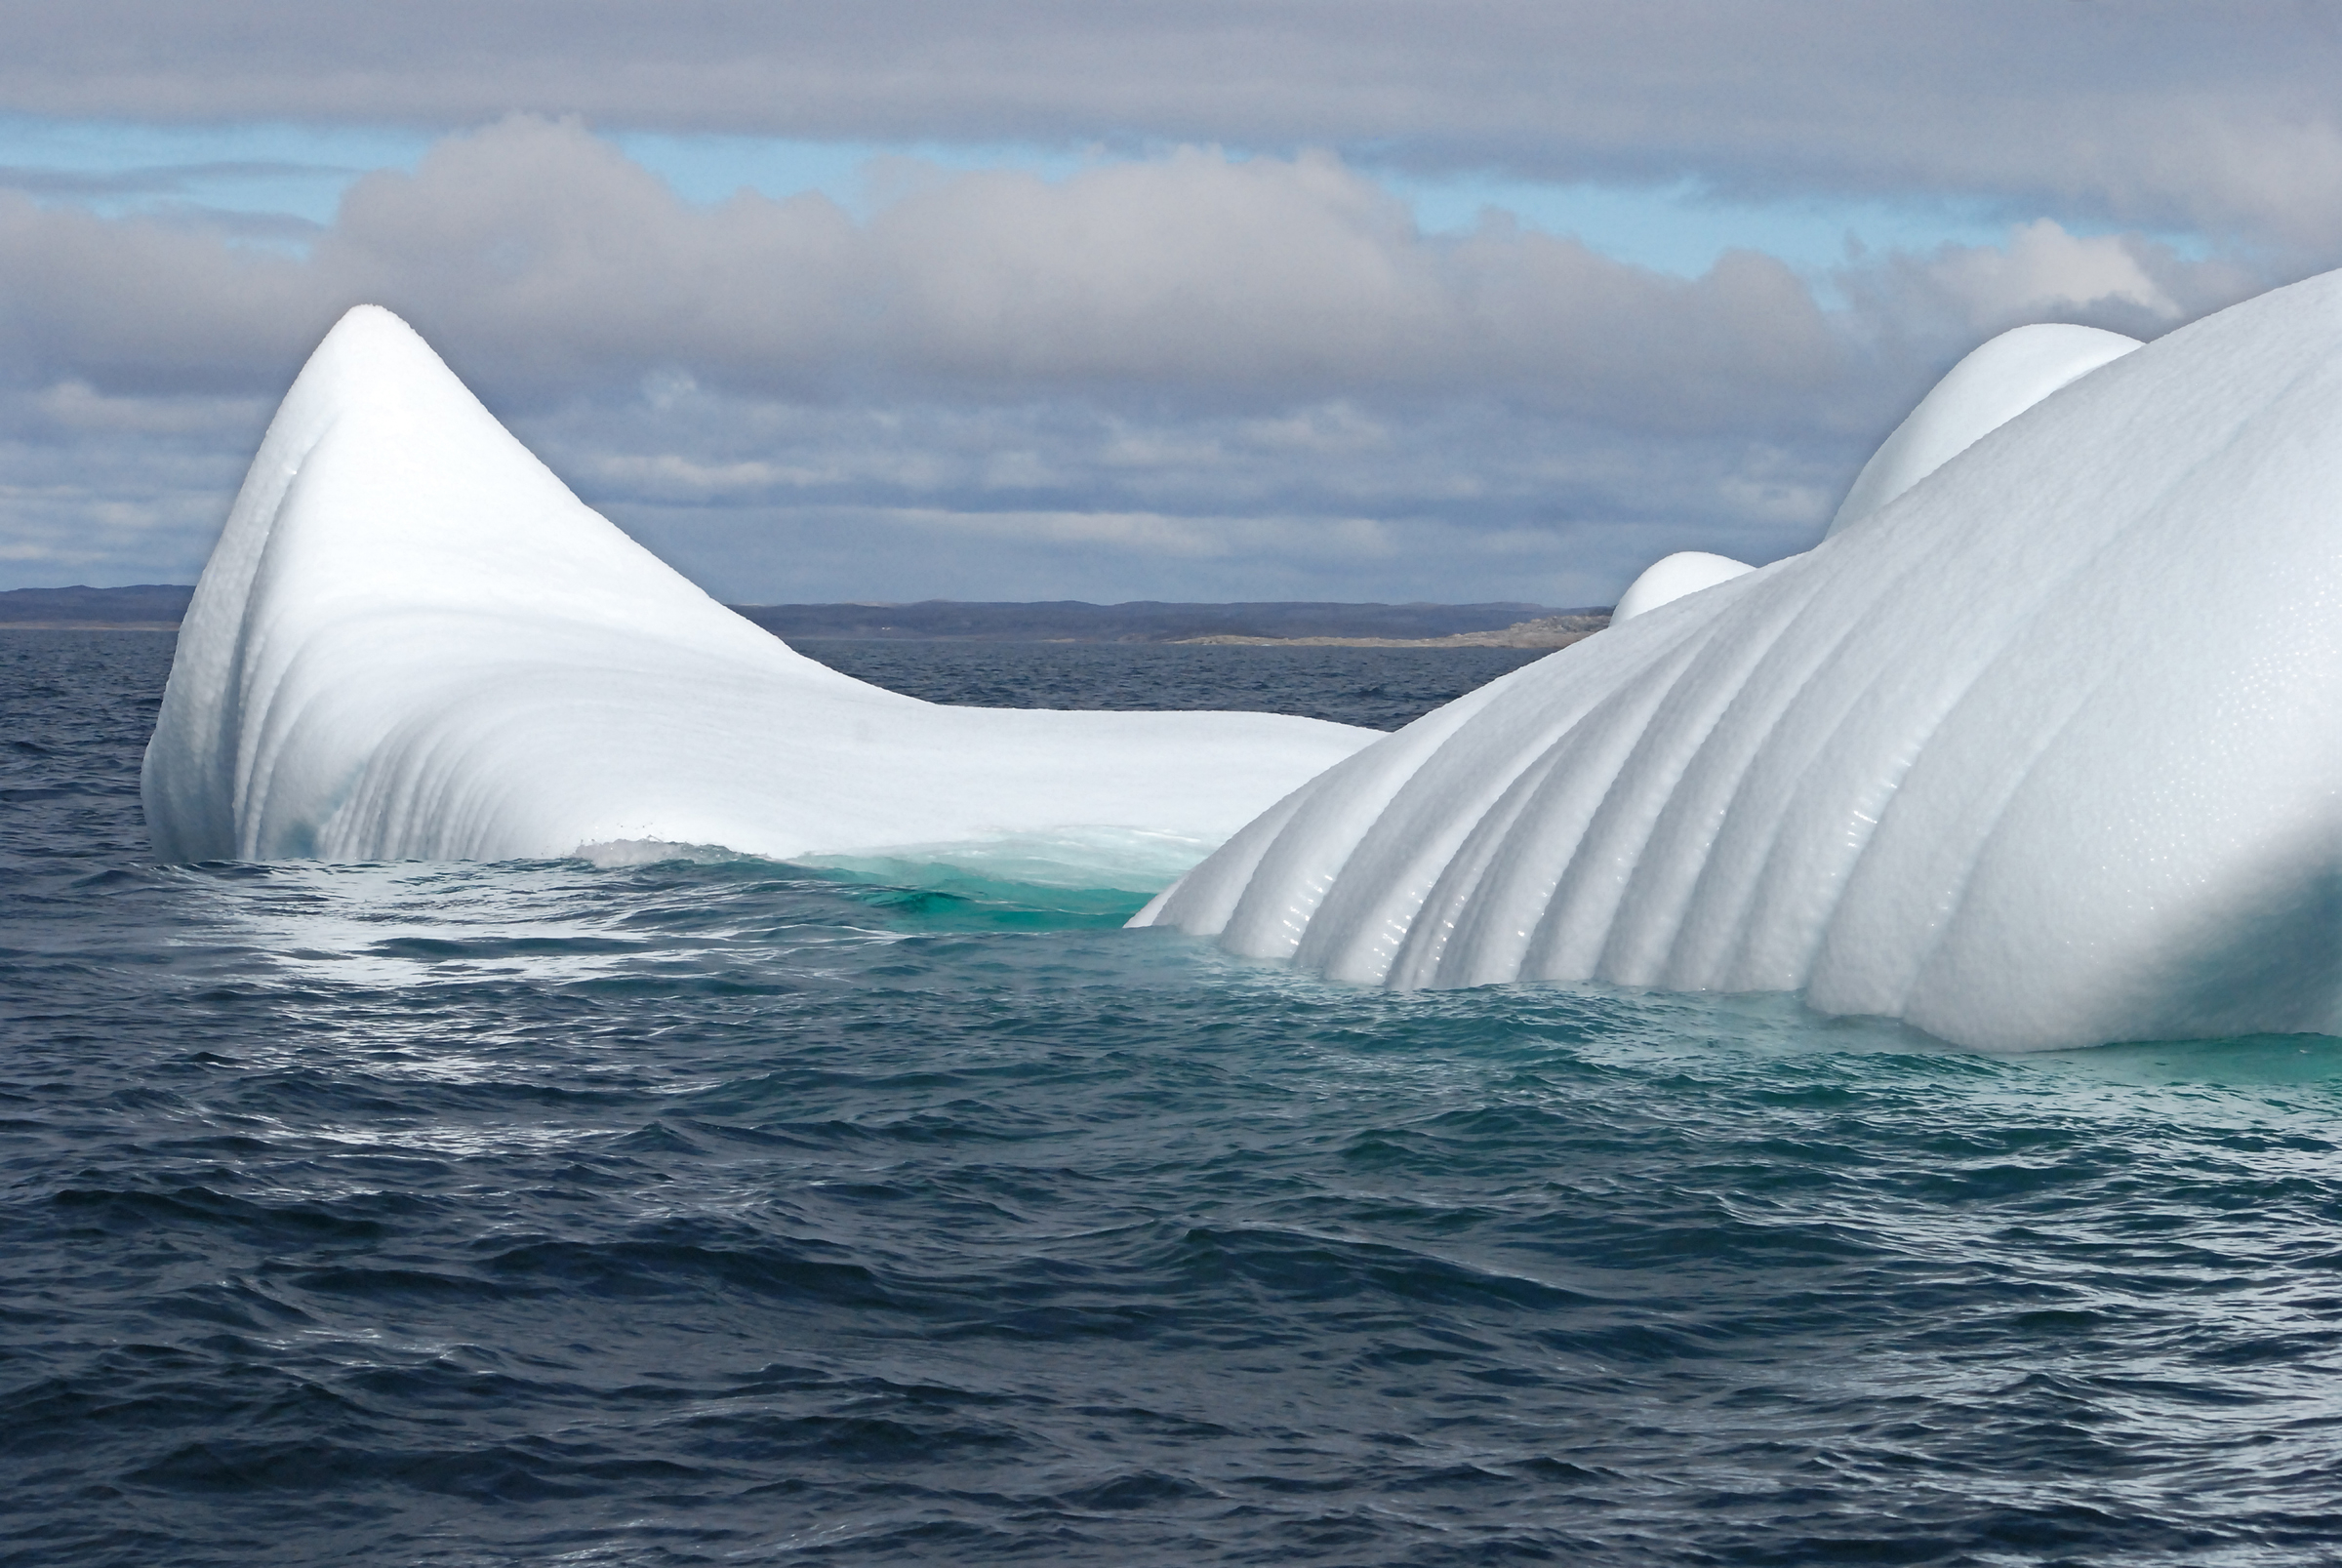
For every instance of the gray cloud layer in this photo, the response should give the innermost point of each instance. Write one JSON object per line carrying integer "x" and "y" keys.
{"x": 2159, "y": 113}
{"x": 1191, "y": 376}
{"x": 548, "y": 263}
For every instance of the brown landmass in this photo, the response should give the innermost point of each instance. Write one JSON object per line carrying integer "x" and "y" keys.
{"x": 1545, "y": 631}
{"x": 157, "y": 607}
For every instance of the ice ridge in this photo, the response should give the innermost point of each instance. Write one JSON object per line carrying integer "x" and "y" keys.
{"x": 2040, "y": 750}
{"x": 413, "y": 642}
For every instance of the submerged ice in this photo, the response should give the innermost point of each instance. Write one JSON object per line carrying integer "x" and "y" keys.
{"x": 413, "y": 642}
{"x": 2038, "y": 747}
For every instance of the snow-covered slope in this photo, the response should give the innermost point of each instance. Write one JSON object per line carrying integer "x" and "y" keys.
{"x": 1671, "y": 577}
{"x": 2047, "y": 753}
{"x": 1994, "y": 384}
{"x": 413, "y": 642}
{"x": 1990, "y": 387}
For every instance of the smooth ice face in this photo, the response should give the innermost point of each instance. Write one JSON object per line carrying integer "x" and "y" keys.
{"x": 1992, "y": 385}
{"x": 2046, "y": 754}
{"x": 413, "y": 642}
{"x": 1668, "y": 580}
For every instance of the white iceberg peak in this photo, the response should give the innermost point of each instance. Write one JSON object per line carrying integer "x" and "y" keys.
{"x": 1670, "y": 579}
{"x": 1994, "y": 384}
{"x": 413, "y": 642}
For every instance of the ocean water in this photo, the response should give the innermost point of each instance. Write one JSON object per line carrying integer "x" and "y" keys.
{"x": 730, "y": 1212}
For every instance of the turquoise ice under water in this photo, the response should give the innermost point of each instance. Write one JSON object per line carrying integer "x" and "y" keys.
{"x": 728, "y": 1211}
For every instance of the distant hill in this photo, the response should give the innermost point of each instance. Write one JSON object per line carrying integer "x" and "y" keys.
{"x": 1545, "y": 632}
{"x": 148, "y": 604}
{"x": 155, "y": 604}
{"x": 1142, "y": 620}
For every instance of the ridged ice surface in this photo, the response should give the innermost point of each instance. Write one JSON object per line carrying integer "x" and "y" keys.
{"x": 414, "y": 643}
{"x": 2044, "y": 753}
{"x": 1984, "y": 391}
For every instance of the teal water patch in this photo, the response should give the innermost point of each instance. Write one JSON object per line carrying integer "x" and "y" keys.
{"x": 2243, "y": 1063}
{"x": 1118, "y": 859}
{"x": 928, "y": 895}
{"x": 1079, "y": 879}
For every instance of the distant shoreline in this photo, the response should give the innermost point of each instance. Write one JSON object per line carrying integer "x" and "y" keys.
{"x": 1482, "y": 639}
{"x": 1292, "y": 623}
{"x": 1279, "y": 623}
{"x": 1547, "y": 632}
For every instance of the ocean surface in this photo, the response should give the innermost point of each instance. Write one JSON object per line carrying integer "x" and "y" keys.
{"x": 730, "y": 1212}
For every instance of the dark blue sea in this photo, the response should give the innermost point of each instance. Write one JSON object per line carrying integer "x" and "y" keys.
{"x": 731, "y": 1213}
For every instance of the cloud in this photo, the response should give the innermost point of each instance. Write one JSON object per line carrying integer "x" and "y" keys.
{"x": 546, "y": 262}
{"x": 95, "y": 488}
{"x": 1908, "y": 309}
{"x": 1191, "y": 376}
{"x": 1435, "y": 497}
{"x": 2046, "y": 268}
{"x": 156, "y": 179}
{"x": 2151, "y": 113}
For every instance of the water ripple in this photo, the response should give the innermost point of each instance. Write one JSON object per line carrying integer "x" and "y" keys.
{"x": 720, "y": 1211}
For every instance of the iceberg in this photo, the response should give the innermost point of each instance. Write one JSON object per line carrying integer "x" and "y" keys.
{"x": 2041, "y": 747}
{"x": 1666, "y": 581}
{"x": 1992, "y": 385}
{"x": 413, "y": 642}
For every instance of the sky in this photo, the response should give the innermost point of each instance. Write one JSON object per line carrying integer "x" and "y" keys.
{"x": 1377, "y": 300}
